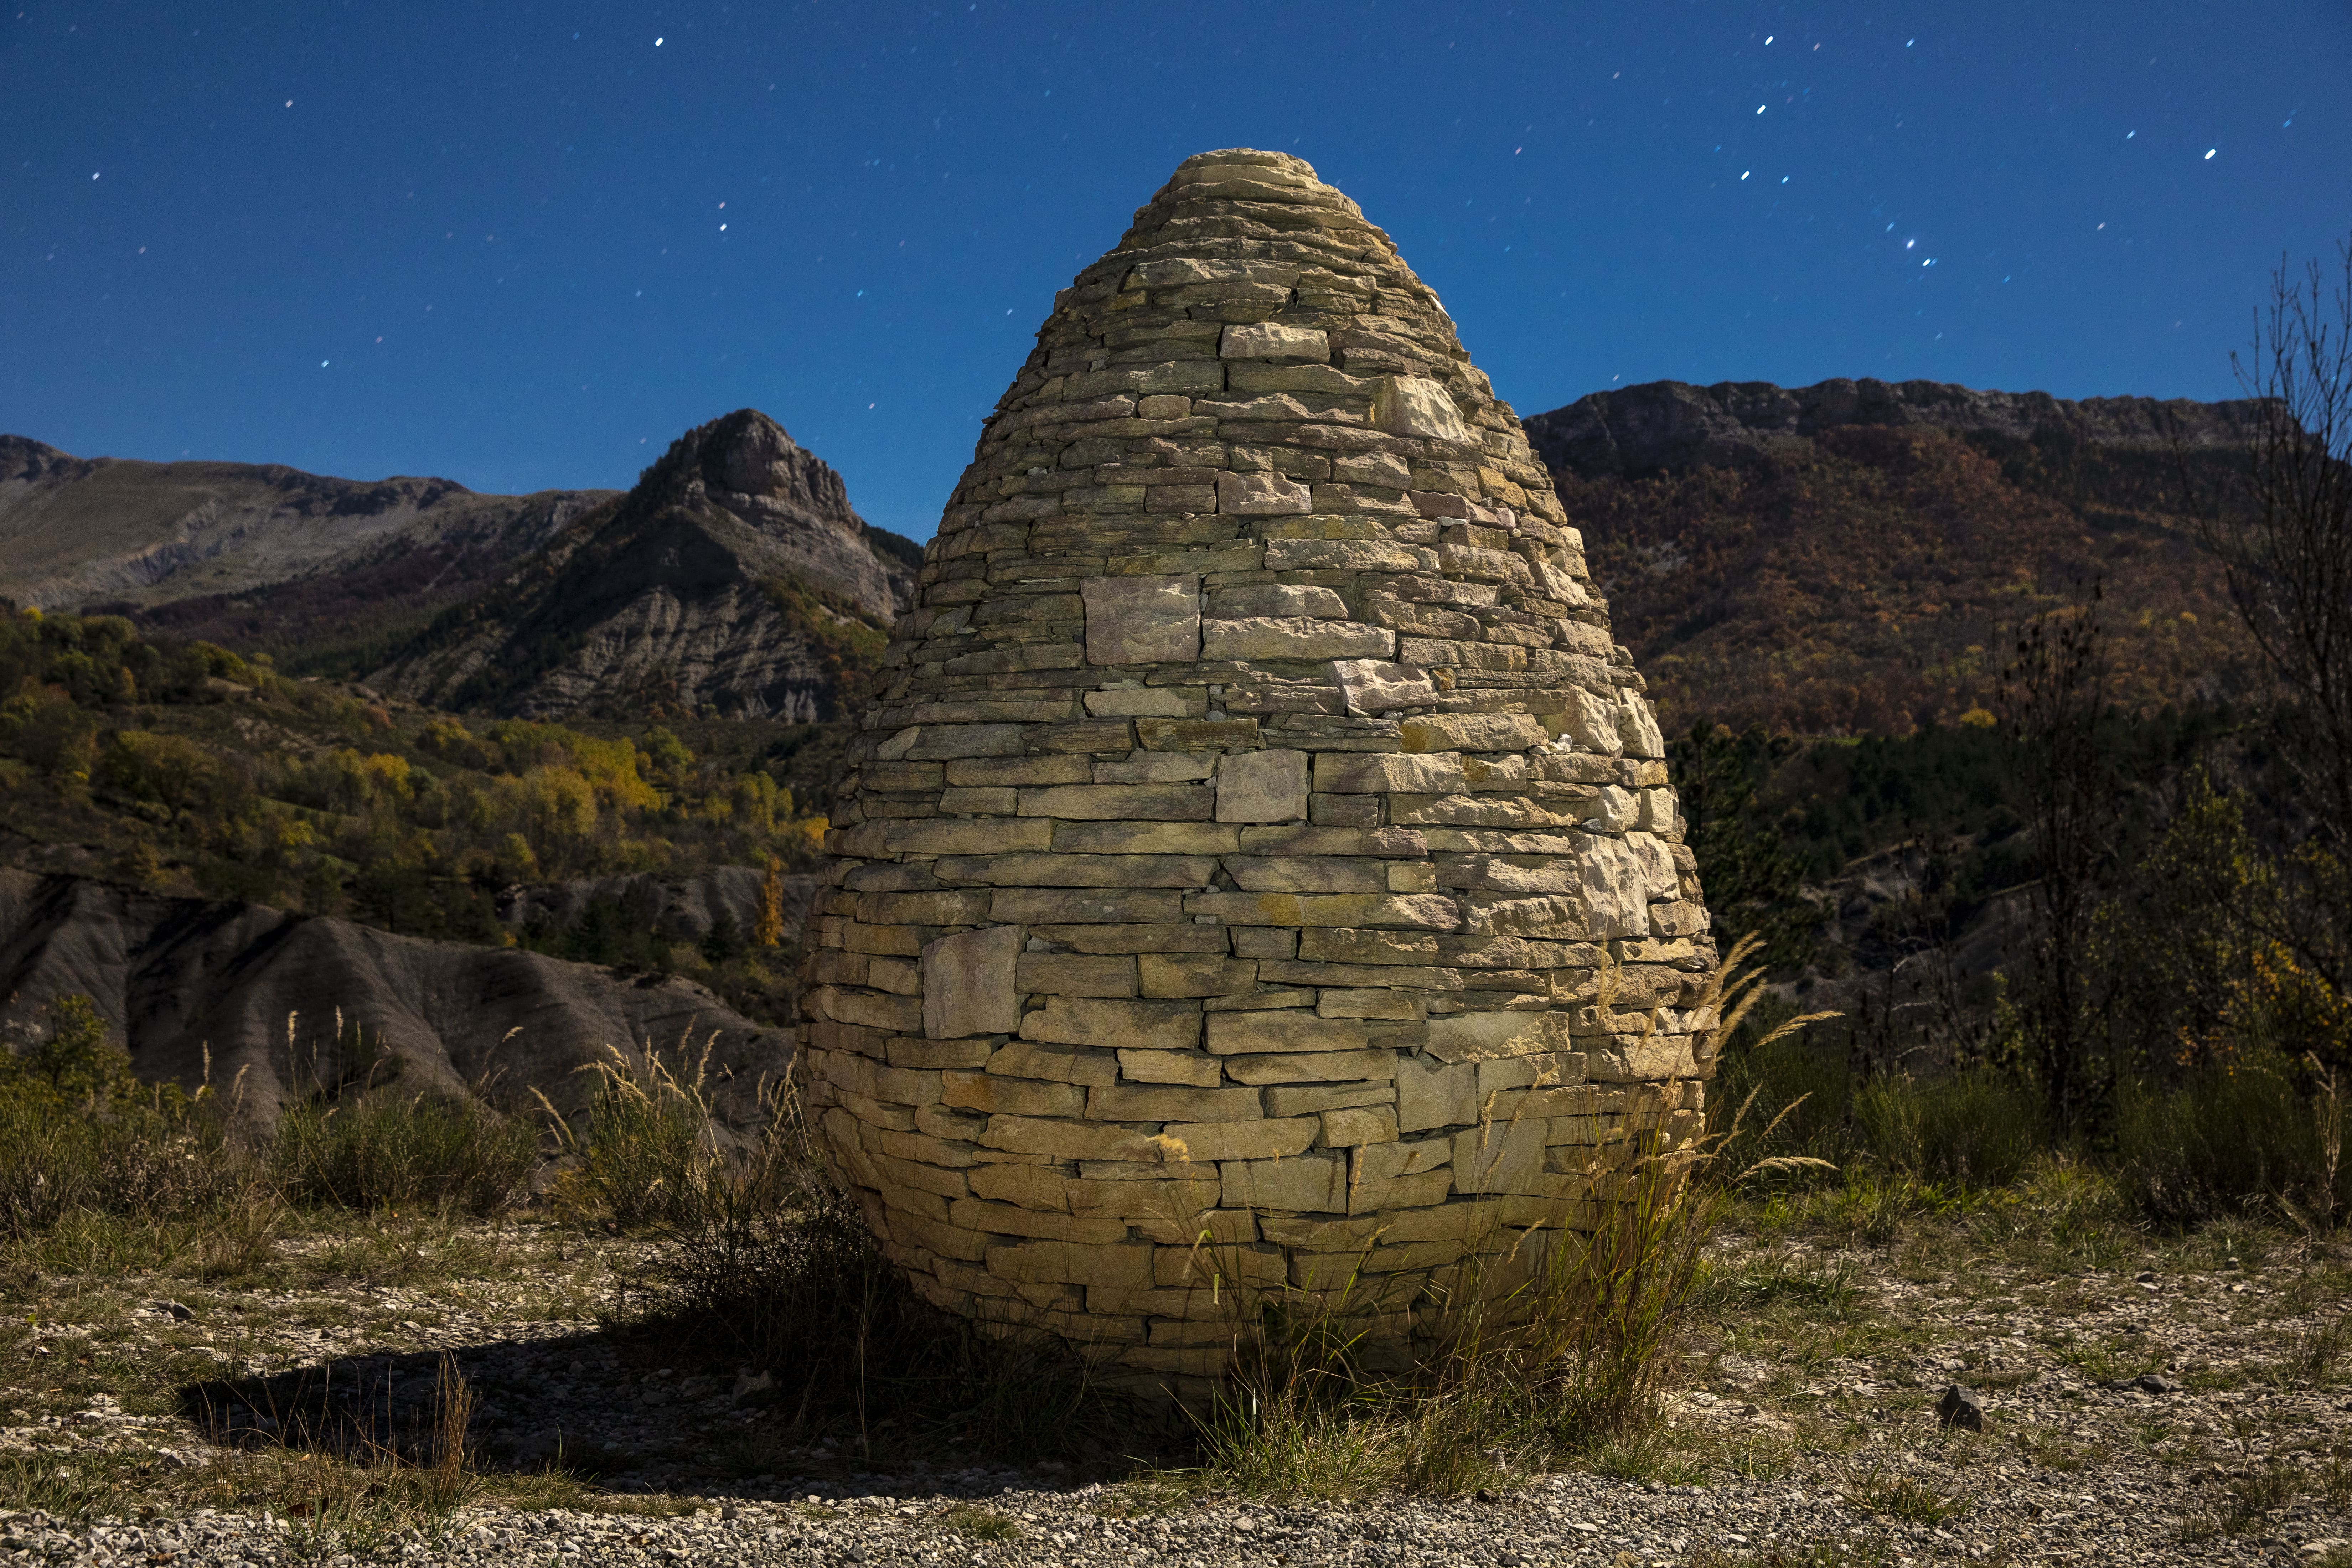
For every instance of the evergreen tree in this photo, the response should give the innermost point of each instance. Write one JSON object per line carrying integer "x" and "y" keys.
{"x": 724, "y": 942}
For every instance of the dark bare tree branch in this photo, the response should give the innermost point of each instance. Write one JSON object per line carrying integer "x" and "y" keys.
{"x": 2053, "y": 694}
{"x": 2286, "y": 543}
{"x": 2281, "y": 529}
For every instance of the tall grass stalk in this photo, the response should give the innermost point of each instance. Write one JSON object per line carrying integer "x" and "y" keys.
{"x": 1551, "y": 1339}
{"x": 653, "y": 1151}
{"x": 453, "y": 1416}
{"x": 2327, "y": 1116}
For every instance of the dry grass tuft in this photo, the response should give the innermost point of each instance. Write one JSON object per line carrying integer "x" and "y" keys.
{"x": 1555, "y": 1341}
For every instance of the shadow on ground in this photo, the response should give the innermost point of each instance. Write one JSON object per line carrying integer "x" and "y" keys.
{"x": 617, "y": 1408}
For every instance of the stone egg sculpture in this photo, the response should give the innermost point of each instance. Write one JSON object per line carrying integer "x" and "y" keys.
{"x": 1259, "y": 873}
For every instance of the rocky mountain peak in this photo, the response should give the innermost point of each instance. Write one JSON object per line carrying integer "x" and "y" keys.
{"x": 24, "y": 459}
{"x": 747, "y": 467}
{"x": 749, "y": 464}
{"x": 735, "y": 578}
{"x": 752, "y": 457}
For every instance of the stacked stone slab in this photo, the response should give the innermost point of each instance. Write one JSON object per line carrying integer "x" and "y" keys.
{"x": 1261, "y": 873}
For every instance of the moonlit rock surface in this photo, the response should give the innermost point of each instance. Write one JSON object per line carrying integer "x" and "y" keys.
{"x": 1258, "y": 722}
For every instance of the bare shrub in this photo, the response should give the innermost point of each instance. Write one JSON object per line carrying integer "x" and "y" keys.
{"x": 2246, "y": 1135}
{"x": 84, "y": 1143}
{"x": 393, "y": 1150}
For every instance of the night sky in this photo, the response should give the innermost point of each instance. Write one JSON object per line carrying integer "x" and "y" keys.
{"x": 524, "y": 246}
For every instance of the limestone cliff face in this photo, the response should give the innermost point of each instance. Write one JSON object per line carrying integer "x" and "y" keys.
{"x": 1668, "y": 426}
{"x": 734, "y": 578}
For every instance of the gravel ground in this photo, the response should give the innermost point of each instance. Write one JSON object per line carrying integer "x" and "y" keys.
{"x": 2161, "y": 1405}
{"x": 1570, "y": 1519}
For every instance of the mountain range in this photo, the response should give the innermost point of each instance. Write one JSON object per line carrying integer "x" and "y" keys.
{"x": 1850, "y": 557}
{"x": 465, "y": 696}
{"x": 735, "y": 577}
{"x": 1664, "y": 427}
{"x": 258, "y": 555}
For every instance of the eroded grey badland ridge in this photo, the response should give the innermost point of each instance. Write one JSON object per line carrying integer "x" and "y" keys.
{"x": 245, "y": 993}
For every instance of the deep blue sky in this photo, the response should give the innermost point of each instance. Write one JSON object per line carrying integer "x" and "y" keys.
{"x": 488, "y": 241}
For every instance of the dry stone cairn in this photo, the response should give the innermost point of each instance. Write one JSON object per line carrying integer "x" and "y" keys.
{"x": 1261, "y": 872}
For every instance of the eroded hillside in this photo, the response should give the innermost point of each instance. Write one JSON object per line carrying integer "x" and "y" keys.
{"x": 260, "y": 555}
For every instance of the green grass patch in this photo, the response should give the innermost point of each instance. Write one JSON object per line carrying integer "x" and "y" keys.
{"x": 976, "y": 1523}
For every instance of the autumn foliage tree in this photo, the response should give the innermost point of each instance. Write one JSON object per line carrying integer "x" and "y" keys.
{"x": 770, "y": 930}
